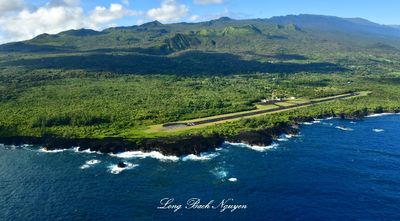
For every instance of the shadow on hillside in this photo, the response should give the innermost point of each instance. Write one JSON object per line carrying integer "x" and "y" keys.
{"x": 190, "y": 63}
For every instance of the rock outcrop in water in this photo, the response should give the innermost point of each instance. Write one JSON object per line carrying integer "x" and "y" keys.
{"x": 265, "y": 137}
{"x": 121, "y": 165}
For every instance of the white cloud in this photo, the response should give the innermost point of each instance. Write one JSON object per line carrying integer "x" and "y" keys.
{"x": 169, "y": 11}
{"x": 10, "y": 6}
{"x": 115, "y": 11}
{"x": 140, "y": 22}
{"x": 27, "y": 24}
{"x": 194, "y": 18}
{"x": 208, "y": 2}
{"x": 57, "y": 16}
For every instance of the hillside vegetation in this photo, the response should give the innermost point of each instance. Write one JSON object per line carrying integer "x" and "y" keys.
{"x": 119, "y": 81}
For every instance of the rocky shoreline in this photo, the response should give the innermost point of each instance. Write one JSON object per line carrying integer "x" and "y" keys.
{"x": 177, "y": 146}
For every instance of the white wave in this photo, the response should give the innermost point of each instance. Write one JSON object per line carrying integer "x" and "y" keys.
{"x": 115, "y": 169}
{"x": 307, "y": 123}
{"x": 52, "y": 151}
{"x": 282, "y": 139}
{"x": 316, "y": 121}
{"x": 26, "y": 145}
{"x": 12, "y": 146}
{"x": 352, "y": 122}
{"x": 286, "y": 137}
{"x": 233, "y": 179}
{"x": 89, "y": 164}
{"x": 329, "y": 118}
{"x": 289, "y": 136}
{"x": 380, "y": 115}
{"x": 88, "y": 151}
{"x": 378, "y": 130}
{"x": 255, "y": 147}
{"x": 73, "y": 149}
{"x": 142, "y": 155}
{"x": 220, "y": 172}
{"x": 202, "y": 157}
{"x": 344, "y": 128}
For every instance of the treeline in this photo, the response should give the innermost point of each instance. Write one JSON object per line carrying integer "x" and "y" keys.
{"x": 86, "y": 105}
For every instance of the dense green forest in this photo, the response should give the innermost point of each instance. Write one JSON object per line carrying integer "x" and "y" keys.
{"x": 118, "y": 82}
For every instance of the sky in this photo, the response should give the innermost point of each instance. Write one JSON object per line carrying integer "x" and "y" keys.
{"x": 25, "y": 19}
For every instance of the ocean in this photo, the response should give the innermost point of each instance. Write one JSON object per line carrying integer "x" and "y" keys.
{"x": 333, "y": 170}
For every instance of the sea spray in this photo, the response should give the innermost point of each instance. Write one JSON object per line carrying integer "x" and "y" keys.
{"x": 142, "y": 155}
{"x": 115, "y": 169}
{"x": 380, "y": 115}
{"x": 201, "y": 157}
{"x": 344, "y": 128}
{"x": 90, "y": 163}
{"x": 255, "y": 147}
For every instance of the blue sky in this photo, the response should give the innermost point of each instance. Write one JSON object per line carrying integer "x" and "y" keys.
{"x": 380, "y": 11}
{"x": 24, "y": 19}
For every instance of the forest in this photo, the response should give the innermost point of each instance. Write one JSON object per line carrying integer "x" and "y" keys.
{"x": 72, "y": 85}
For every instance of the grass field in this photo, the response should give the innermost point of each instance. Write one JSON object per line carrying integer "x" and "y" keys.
{"x": 293, "y": 104}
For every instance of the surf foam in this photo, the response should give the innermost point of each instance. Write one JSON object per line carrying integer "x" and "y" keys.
{"x": 202, "y": 157}
{"x": 90, "y": 163}
{"x": 378, "y": 130}
{"x": 255, "y": 147}
{"x": 52, "y": 151}
{"x": 233, "y": 179}
{"x": 380, "y": 115}
{"x": 220, "y": 172}
{"x": 114, "y": 169}
{"x": 344, "y": 128}
{"x": 142, "y": 155}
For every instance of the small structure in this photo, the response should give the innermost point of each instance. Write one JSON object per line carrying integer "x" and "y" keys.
{"x": 271, "y": 101}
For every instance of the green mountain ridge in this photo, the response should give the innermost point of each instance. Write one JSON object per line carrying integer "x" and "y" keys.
{"x": 241, "y": 46}
{"x": 220, "y": 34}
{"x": 121, "y": 81}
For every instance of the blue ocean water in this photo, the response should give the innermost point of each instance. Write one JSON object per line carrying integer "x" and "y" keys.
{"x": 335, "y": 170}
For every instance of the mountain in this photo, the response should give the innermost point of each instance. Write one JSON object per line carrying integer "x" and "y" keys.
{"x": 285, "y": 43}
{"x": 335, "y": 24}
{"x": 276, "y": 33}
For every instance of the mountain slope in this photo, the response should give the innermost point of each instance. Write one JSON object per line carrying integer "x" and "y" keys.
{"x": 221, "y": 34}
{"x": 311, "y": 43}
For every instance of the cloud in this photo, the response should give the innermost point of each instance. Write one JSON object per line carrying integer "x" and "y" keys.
{"x": 194, "y": 18}
{"x": 10, "y": 6}
{"x": 56, "y": 16}
{"x": 208, "y": 2}
{"x": 26, "y": 24}
{"x": 106, "y": 15}
{"x": 169, "y": 11}
{"x": 54, "y": 3}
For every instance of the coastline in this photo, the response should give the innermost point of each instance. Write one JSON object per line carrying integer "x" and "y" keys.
{"x": 171, "y": 146}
